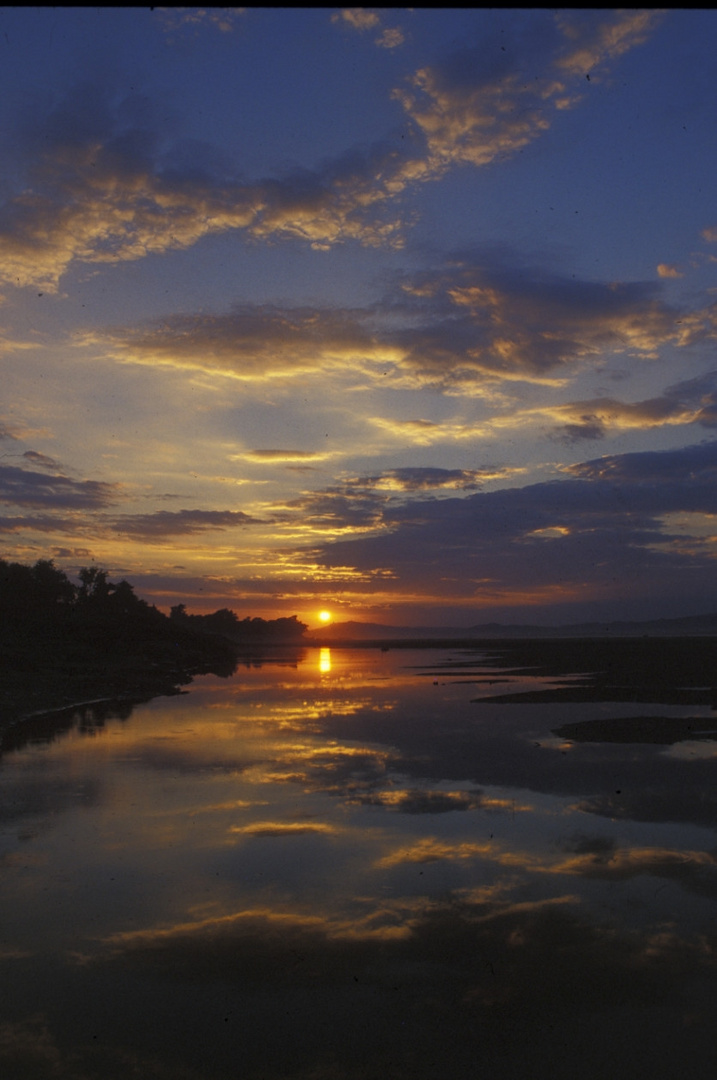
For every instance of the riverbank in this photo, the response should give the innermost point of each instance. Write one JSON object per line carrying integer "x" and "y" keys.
{"x": 45, "y": 673}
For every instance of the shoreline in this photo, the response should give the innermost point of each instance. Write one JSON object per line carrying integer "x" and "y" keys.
{"x": 680, "y": 670}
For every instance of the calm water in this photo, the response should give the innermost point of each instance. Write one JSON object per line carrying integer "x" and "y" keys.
{"x": 343, "y": 866}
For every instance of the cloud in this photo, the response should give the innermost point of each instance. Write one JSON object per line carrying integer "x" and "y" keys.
{"x": 425, "y": 479}
{"x": 482, "y": 315}
{"x": 594, "y": 39}
{"x": 360, "y": 19}
{"x": 691, "y": 402}
{"x": 421, "y": 432}
{"x": 488, "y": 101}
{"x": 336, "y": 509}
{"x": 481, "y": 318}
{"x": 284, "y": 828}
{"x": 272, "y": 456}
{"x": 100, "y": 186}
{"x": 25, "y": 487}
{"x": 39, "y": 459}
{"x": 600, "y": 533}
{"x": 363, "y": 19}
{"x": 665, "y": 270}
{"x": 391, "y": 38}
{"x": 37, "y": 523}
{"x": 255, "y": 343}
{"x": 223, "y": 19}
{"x": 164, "y": 523}
{"x": 658, "y": 473}
{"x": 364, "y": 502}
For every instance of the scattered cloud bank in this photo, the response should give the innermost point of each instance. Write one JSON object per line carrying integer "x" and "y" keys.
{"x": 101, "y": 186}
{"x": 28, "y": 488}
{"x": 165, "y": 523}
{"x": 602, "y": 534}
{"x": 363, "y": 19}
{"x": 480, "y": 319}
{"x": 225, "y": 20}
{"x": 606, "y": 530}
{"x": 691, "y": 402}
{"x": 488, "y": 101}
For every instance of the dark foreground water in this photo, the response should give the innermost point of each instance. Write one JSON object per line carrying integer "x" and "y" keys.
{"x": 344, "y": 866}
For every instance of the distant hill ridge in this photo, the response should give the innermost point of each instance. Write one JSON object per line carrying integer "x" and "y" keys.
{"x": 690, "y": 625}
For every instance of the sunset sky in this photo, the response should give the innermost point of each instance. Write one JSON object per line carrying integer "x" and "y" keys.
{"x": 405, "y": 315}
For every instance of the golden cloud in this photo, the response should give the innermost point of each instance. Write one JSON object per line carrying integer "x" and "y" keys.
{"x": 478, "y": 107}
{"x": 666, "y": 270}
{"x": 357, "y": 18}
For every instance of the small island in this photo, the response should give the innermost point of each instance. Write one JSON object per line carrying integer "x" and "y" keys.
{"x": 63, "y": 643}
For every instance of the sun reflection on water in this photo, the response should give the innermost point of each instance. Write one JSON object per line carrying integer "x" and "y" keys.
{"x": 325, "y": 661}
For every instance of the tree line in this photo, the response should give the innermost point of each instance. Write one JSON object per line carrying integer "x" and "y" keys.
{"x": 228, "y": 623}
{"x": 42, "y": 599}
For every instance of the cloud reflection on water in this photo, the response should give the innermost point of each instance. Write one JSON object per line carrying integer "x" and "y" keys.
{"x": 350, "y": 873}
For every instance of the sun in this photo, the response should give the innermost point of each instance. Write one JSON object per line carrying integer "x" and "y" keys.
{"x": 324, "y": 616}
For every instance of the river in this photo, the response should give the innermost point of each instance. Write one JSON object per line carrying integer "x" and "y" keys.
{"x": 338, "y": 864}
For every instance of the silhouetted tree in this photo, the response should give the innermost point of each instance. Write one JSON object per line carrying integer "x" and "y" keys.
{"x": 30, "y": 594}
{"x": 223, "y": 621}
{"x": 94, "y": 584}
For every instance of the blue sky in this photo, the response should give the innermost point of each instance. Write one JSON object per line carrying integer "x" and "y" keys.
{"x": 405, "y": 314}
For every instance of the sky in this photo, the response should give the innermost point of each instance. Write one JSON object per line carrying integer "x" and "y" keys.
{"x": 404, "y": 314}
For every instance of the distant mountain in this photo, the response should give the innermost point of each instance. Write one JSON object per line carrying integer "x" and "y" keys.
{"x": 688, "y": 626}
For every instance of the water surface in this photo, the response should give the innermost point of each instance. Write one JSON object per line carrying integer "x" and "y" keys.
{"x": 343, "y": 864}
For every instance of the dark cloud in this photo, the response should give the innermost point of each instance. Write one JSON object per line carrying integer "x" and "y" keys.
{"x": 253, "y": 342}
{"x": 423, "y": 479}
{"x": 23, "y": 487}
{"x": 599, "y": 846}
{"x": 41, "y": 460}
{"x": 337, "y": 507}
{"x": 42, "y": 524}
{"x": 587, "y": 428}
{"x": 165, "y": 523}
{"x": 148, "y": 527}
{"x": 596, "y": 534}
{"x": 484, "y": 313}
{"x": 366, "y": 501}
{"x": 690, "y": 402}
{"x": 684, "y": 476}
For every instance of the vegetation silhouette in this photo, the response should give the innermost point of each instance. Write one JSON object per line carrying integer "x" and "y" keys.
{"x": 62, "y": 643}
{"x": 249, "y": 630}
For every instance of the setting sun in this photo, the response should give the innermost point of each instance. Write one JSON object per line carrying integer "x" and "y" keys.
{"x": 324, "y": 616}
